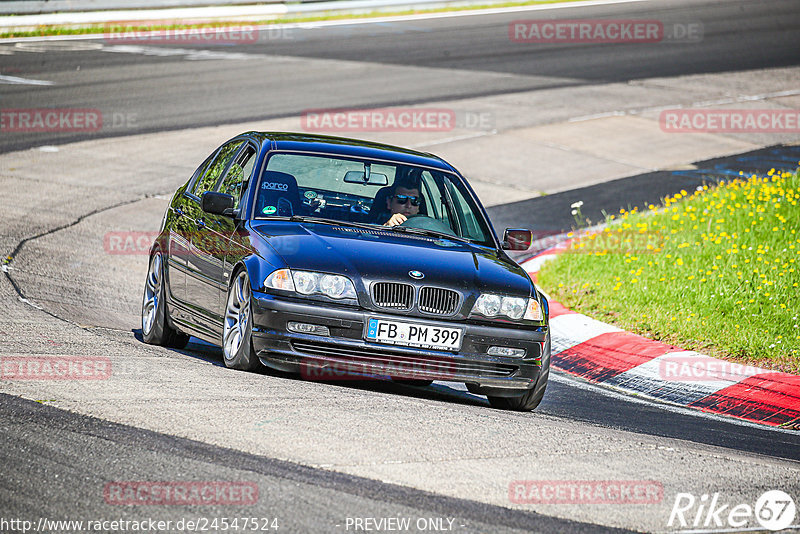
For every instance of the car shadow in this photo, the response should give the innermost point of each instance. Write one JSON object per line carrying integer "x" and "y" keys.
{"x": 441, "y": 391}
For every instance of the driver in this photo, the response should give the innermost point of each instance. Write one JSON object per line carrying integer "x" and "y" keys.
{"x": 402, "y": 203}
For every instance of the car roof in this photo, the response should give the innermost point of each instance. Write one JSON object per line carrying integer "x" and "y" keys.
{"x": 301, "y": 142}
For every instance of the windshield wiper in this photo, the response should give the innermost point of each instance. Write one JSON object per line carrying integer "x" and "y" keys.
{"x": 422, "y": 231}
{"x": 333, "y": 222}
{"x": 375, "y": 227}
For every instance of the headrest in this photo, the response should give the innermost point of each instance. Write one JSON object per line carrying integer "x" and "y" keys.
{"x": 278, "y": 181}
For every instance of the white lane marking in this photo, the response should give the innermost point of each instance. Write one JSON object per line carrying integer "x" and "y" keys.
{"x": 14, "y": 80}
{"x": 161, "y": 51}
{"x": 572, "y": 329}
{"x": 533, "y": 265}
{"x": 188, "y": 53}
{"x": 453, "y": 139}
{"x": 397, "y": 18}
{"x": 42, "y": 47}
{"x": 699, "y": 104}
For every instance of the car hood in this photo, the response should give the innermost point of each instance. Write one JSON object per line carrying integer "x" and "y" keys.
{"x": 369, "y": 255}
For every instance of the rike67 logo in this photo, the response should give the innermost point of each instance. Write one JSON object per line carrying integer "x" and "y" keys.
{"x": 774, "y": 510}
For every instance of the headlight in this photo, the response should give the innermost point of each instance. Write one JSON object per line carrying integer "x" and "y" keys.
{"x": 490, "y": 305}
{"x": 305, "y": 282}
{"x": 308, "y": 283}
{"x": 336, "y": 287}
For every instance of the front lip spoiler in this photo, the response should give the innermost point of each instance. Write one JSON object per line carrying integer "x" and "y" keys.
{"x": 330, "y": 358}
{"x": 326, "y": 358}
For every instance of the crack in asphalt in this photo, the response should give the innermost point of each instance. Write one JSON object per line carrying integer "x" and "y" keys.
{"x": 8, "y": 260}
{"x": 10, "y": 257}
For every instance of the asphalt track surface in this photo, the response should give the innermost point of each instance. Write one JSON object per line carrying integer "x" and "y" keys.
{"x": 420, "y": 61}
{"x": 55, "y": 460}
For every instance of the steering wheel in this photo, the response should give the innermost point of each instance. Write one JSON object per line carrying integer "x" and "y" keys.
{"x": 423, "y": 222}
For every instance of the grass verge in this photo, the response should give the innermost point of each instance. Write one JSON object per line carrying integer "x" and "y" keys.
{"x": 133, "y": 26}
{"x": 714, "y": 271}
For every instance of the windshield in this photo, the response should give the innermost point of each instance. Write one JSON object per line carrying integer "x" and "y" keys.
{"x": 366, "y": 192}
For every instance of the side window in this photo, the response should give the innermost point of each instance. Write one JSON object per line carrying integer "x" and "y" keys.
{"x": 471, "y": 228}
{"x": 239, "y": 174}
{"x": 215, "y": 169}
{"x": 198, "y": 174}
{"x": 430, "y": 191}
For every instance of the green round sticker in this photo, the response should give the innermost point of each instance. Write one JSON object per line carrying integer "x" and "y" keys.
{"x": 269, "y": 210}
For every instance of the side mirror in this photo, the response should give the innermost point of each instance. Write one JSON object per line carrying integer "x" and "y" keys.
{"x": 517, "y": 239}
{"x": 217, "y": 203}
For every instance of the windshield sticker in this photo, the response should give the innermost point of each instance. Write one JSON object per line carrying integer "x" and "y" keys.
{"x": 310, "y": 195}
{"x": 269, "y": 210}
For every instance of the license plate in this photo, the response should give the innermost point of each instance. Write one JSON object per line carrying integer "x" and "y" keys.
{"x": 414, "y": 335}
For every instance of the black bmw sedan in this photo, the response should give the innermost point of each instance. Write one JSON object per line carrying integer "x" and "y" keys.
{"x": 338, "y": 258}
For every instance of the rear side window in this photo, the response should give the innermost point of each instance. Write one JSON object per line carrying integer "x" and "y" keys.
{"x": 239, "y": 174}
{"x": 215, "y": 169}
{"x": 190, "y": 186}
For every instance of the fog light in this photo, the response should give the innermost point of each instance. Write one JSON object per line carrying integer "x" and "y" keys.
{"x": 509, "y": 352}
{"x": 305, "y": 328}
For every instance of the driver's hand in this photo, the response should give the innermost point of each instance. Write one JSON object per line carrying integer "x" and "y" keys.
{"x": 397, "y": 218}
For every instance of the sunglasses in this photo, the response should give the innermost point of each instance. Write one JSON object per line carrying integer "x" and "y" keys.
{"x": 404, "y": 199}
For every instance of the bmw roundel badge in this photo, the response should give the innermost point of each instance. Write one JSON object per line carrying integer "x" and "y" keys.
{"x": 417, "y": 275}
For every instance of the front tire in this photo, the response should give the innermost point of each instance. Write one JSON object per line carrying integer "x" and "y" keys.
{"x": 237, "y": 330}
{"x": 524, "y": 403}
{"x": 155, "y": 327}
{"x": 530, "y": 399}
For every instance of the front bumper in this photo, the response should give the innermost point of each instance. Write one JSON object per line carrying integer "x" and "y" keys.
{"x": 346, "y": 355}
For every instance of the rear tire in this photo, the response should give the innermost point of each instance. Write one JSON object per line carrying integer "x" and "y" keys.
{"x": 155, "y": 326}
{"x": 237, "y": 330}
